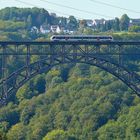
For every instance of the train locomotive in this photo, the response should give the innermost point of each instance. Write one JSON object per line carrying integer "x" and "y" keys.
{"x": 80, "y": 38}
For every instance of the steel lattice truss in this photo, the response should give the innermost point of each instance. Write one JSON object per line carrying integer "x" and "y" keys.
{"x": 109, "y": 56}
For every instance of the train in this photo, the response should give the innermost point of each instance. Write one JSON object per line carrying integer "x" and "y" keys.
{"x": 80, "y": 38}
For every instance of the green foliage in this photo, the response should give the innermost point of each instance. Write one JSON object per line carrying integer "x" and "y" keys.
{"x": 34, "y": 16}
{"x": 76, "y": 109}
{"x": 17, "y": 132}
{"x": 124, "y": 22}
{"x": 32, "y": 88}
{"x": 9, "y": 114}
{"x": 4, "y": 126}
{"x": 72, "y": 101}
{"x": 133, "y": 129}
{"x": 58, "y": 135}
{"x": 11, "y": 26}
{"x": 26, "y": 114}
{"x": 72, "y": 24}
{"x": 112, "y": 131}
{"x": 116, "y": 26}
{"x": 134, "y": 28}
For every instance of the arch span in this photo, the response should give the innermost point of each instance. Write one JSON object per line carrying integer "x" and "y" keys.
{"x": 21, "y": 76}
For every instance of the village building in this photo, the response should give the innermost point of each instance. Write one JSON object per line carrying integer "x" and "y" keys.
{"x": 55, "y": 29}
{"x": 44, "y": 30}
{"x": 134, "y": 22}
{"x": 97, "y": 22}
{"x": 34, "y": 29}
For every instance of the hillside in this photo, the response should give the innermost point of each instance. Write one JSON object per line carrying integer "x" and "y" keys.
{"x": 70, "y": 102}
{"x": 86, "y": 103}
{"x": 32, "y": 23}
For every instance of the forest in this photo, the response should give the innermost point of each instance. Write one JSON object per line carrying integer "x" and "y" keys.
{"x": 21, "y": 21}
{"x": 71, "y": 101}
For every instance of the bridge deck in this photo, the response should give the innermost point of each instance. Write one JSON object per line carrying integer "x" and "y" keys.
{"x": 70, "y": 43}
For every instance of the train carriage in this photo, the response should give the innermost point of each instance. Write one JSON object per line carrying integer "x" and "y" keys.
{"x": 80, "y": 38}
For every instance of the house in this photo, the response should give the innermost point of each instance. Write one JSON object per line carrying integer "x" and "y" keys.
{"x": 134, "y": 22}
{"x": 89, "y": 23}
{"x": 97, "y": 22}
{"x": 55, "y": 29}
{"x": 44, "y": 30}
{"x": 66, "y": 31}
{"x": 34, "y": 29}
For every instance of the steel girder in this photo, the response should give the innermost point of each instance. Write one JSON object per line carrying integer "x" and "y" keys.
{"x": 61, "y": 53}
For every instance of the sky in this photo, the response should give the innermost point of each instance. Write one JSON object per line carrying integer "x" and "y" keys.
{"x": 82, "y": 9}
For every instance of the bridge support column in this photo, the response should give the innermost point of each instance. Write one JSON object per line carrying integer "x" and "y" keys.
{"x": 74, "y": 53}
{"x": 120, "y": 62}
{"x": 28, "y": 60}
{"x": 63, "y": 53}
{"x": 97, "y": 49}
{"x": 52, "y": 54}
{"x": 4, "y": 72}
{"x": 87, "y": 53}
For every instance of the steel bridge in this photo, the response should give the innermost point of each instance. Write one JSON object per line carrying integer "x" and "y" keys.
{"x": 39, "y": 57}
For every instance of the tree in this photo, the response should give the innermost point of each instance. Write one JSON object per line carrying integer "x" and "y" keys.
{"x": 111, "y": 131}
{"x": 124, "y": 22}
{"x": 133, "y": 125}
{"x": 72, "y": 23}
{"x": 26, "y": 114}
{"x": 82, "y": 24}
{"x": 9, "y": 114}
{"x": 33, "y": 88}
{"x": 134, "y": 28}
{"x": 17, "y": 132}
{"x": 58, "y": 135}
{"x": 37, "y": 130}
{"x": 29, "y": 21}
{"x": 116, "y": 26}
{"x": 109, "y": 25}
{"x": 41, "y": 17}
{"x": 63, "y": 22}
{"x": 5, "y": 14}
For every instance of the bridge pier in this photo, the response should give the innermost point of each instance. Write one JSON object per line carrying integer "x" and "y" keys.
{"x": 28, "y": 60}
{"x": 120, "y": 60}
{"x": 4, "y": 73}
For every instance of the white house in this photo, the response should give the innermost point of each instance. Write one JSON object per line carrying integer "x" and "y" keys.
{"x": 55, "y": 29}
{"x": 89, "y": 23}
{"x": 99, "y": 22}
{"x": 34, "y": 29}
{"x": 44, "y": 30}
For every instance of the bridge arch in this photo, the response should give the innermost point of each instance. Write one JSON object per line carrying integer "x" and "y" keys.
{"x": 21, "y": 76}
